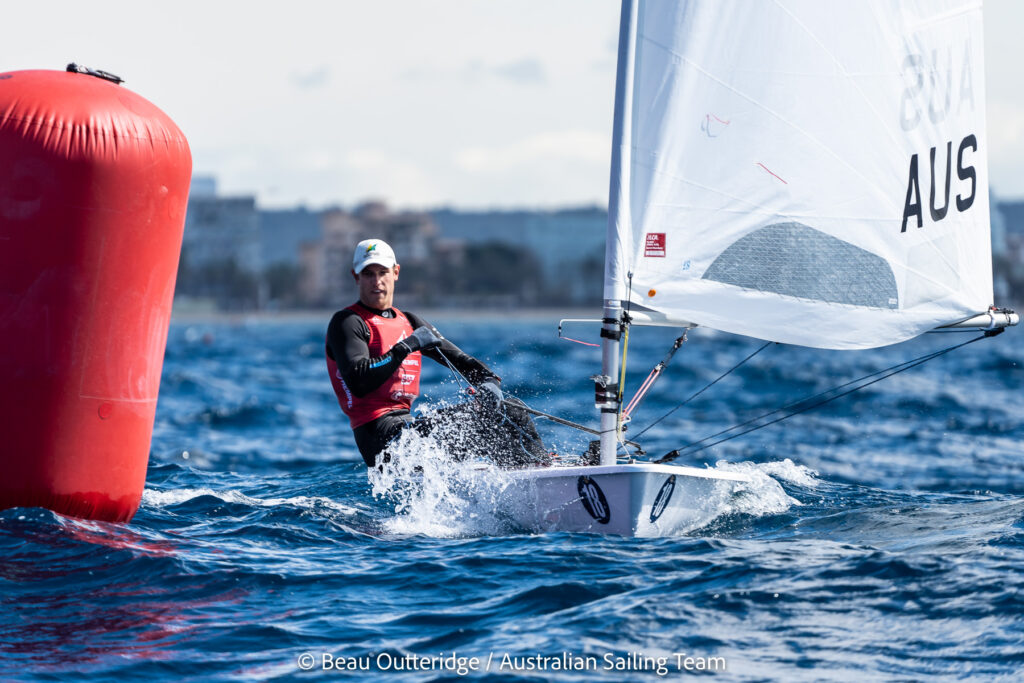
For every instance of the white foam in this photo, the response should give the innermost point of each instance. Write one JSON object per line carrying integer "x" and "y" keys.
{"x": 435, "y": 495}
{"x": 763, "y": 495}
{"x": 786, "y": 470}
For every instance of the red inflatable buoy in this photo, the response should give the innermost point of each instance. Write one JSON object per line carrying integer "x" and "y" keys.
{"x": 93, "y": 190}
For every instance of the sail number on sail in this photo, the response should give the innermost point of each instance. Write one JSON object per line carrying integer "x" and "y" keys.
{"x": 934, "y": 94}
{"x": 912, "y": 205}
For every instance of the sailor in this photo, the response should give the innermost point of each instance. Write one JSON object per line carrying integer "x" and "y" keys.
{"x": 374, "y": 352}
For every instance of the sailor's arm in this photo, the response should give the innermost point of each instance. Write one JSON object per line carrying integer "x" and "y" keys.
{"x": 471, "y": 368}
{"x": 348, "y": 340}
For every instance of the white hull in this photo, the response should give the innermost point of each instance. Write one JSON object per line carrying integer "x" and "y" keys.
{"x": 626, "y": 500}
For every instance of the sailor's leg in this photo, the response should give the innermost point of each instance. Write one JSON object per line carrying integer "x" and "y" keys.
{"x": 527, "y": 431}
{"x": 511, "y": 436}
{"x": 374, "y": 437}
{"x": 457, "y": 428}
{"x": 472, "y": 429}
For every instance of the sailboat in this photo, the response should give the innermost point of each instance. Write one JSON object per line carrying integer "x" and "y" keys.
{"x": 804, "y": 172}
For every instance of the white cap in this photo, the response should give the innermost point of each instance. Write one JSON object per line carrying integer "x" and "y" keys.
{"x": 372, "y": 251}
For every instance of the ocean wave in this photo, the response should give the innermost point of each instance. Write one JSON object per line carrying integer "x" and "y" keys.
{"x": 173, "y": 497}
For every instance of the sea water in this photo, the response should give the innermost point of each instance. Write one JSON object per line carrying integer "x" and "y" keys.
{"x": 882, "y": 537}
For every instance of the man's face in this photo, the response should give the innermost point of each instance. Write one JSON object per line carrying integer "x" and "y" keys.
{"x": 376, "y": 285}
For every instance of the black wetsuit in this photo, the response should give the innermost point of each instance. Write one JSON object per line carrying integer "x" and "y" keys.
{"x": 508, "y": 435}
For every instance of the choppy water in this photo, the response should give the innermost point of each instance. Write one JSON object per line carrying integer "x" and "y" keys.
{"x": 883, "y": 539}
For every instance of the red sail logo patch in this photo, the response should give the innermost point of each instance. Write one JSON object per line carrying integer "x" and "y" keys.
{"x": 654, "y": 244}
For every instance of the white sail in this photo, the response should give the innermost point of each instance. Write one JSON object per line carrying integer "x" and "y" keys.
{"x": 811, "y": 172}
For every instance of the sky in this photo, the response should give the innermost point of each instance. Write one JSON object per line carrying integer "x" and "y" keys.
{"x": 421, "y": 103}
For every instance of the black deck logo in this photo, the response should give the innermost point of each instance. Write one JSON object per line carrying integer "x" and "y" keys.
{"x": 593, "y": 499}
{"x": 663, "y": 497}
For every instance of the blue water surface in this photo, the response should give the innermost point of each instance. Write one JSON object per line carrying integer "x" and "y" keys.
{"x": 885, "y": 540}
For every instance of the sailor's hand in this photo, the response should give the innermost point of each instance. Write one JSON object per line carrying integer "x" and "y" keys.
{"x": 421, "y": 339}
{"x": 490, "y": 394}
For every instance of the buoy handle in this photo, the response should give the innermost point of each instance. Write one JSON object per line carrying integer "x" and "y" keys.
{"x": 105, "y": 75}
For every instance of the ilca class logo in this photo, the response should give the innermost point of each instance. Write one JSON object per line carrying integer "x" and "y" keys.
{"x": 663, "y": 497}
{"x": 654, "y": 245}
{"x": 593, "y": 499}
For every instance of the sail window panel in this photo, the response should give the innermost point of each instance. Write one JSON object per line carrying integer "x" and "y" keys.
{"x": 792, "y": 259}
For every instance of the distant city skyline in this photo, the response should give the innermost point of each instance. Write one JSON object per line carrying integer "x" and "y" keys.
{"x": 470, "y": 103}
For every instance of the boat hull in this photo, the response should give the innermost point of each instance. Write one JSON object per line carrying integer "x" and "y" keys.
{"x": 627, "y": 500}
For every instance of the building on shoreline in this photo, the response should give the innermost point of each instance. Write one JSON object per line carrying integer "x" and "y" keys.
{"x": 568, "y": 243}
{"x": 221, "y": 252}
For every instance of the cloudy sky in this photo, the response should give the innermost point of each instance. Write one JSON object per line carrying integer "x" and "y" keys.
{"x": 476, "y": 103}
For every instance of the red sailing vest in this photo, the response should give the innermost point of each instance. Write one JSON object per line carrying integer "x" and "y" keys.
{"x": 400, "y": 390}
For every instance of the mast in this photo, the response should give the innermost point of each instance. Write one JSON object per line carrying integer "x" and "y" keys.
{"x": 606, "y": 390}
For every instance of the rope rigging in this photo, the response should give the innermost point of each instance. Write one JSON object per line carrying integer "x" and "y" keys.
{"x": 713, "y": 383}
{"x": 624, "y": 326}
{"x": 800, "y": 407}
{"x": 653, "y": 377}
